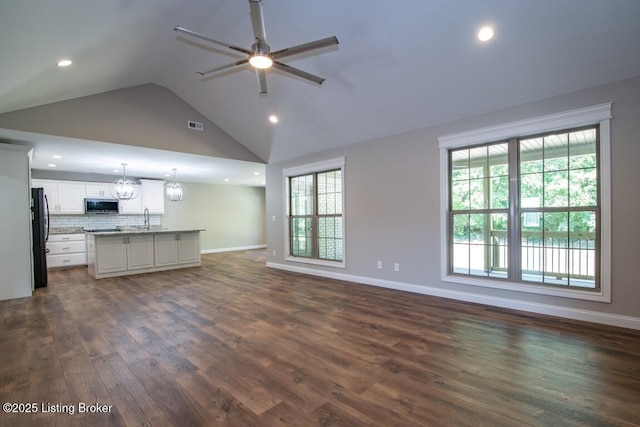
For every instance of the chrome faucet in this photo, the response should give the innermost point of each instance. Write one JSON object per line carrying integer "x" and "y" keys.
{"x": 146, "y": 218}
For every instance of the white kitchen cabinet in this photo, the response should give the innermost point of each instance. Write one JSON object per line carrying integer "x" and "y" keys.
{"x": 63, "y": 197}
{"x": 70, "y": 198}
{"x": 139, "y": 251}
{"x": 67, "y": 197}
{"x": 114, "y": 254}
{"x": 50, "y": 190}
{"x": 175, "y": 249}
{"x": 153, "y": 196}
{"x": 132, "y": 207}
{"x": 166, "y": 249}
{"x": 98, "y": 190}
{"x": 189, "y": 247}
{"x": 66, "y": 250}
{"x": 150, "y": 197}
{"x": 111, "y": 255}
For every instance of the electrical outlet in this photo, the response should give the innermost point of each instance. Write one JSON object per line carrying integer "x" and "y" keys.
{"x": 274, "y": 252}
{"x": 396, "y": 266}
{"x": 380, "y": 264}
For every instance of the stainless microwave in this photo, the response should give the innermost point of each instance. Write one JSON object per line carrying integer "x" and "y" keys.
{"x": 101, "y": 206}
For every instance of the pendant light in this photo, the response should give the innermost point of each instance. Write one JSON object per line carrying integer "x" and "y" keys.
{"x": 124, "y": 188}
{"x": 175, "y": 191}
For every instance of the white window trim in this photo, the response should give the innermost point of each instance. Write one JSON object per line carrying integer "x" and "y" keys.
{"x": 322, "y": 166}
{"x": 597, "y": 114}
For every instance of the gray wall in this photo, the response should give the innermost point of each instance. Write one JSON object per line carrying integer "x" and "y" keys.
{"x": 233, "y": 216}
{"x": 392, "y": 195}
{"x": 145, "y": 116}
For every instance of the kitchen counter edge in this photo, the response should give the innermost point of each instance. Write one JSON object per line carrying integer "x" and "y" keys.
{"x": 143, "y": 231}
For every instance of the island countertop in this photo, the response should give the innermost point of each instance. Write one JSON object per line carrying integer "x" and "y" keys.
{"x": 140, "y": 230}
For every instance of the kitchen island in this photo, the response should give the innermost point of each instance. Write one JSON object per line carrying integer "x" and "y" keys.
{"x": 141, "y": 250}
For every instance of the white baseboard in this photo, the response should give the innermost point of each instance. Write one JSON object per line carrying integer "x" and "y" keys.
{"x": 533, "y": 307}
{"x": 238, "y": 248}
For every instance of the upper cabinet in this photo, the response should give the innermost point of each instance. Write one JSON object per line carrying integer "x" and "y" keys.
{"x": 153, "y": 196}
{"x": 67, "y": 197}
{"x": 98, "y": 189}
{"x": 132, "y": 207}
{"x": 63, "y": 197}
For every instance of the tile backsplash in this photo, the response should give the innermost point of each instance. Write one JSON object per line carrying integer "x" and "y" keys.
{"x": 102, "y": 221}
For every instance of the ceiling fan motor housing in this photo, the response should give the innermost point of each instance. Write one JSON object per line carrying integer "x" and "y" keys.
{"x": 260, "y": 56}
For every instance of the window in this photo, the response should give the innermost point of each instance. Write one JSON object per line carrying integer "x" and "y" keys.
{"x": 479, "y": 212}
{"x": 315, "y": 223}
{"x": 529, "y": 212}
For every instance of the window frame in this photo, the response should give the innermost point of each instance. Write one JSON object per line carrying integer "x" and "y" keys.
{"x": 596, "y": 115}
{"x": 313, "y": 169}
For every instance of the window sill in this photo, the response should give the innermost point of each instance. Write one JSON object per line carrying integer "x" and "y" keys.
{"x": 322, "y": 262}
{"x": 582, "y": 294}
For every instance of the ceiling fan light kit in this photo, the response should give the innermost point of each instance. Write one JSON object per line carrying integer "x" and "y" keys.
{"x": 260, "y": 56}
{"x": 261, "y": 61}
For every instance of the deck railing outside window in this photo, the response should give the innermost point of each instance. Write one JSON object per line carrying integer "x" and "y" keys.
{"x": 527, "y": 209}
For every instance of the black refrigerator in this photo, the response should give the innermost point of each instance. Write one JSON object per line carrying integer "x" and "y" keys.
{"x": 40, "y": 232}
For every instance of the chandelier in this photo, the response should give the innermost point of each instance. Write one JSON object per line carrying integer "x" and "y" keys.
{"x": 124, "y": 188}
{"x": 175, "y": 191}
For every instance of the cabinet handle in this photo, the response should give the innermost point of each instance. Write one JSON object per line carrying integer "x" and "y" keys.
{"x": 65, "y": 238}
{"x": 66, "y": 249}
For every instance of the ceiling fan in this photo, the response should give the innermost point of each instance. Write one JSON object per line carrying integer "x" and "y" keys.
{"x": 260, "y": 56}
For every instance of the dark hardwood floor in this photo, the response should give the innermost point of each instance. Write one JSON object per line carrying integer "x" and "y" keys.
{"x": 234, "y": 343}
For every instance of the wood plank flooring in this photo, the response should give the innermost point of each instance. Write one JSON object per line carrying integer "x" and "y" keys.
{"x": 233, "y": 343}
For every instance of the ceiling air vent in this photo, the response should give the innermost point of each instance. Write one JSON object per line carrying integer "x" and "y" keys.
{"x": 195, "y": 125}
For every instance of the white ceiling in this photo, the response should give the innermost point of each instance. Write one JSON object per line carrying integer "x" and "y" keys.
{"x": 400, "y": 65}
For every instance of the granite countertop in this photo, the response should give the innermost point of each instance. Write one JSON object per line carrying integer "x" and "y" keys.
{"x": 141, "y": 230}
{"x": 66, "y": 230}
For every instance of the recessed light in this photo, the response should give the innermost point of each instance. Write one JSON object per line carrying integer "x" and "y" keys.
{"x": 273, "y": 118}
{"x": 226, "y": 180}
{"x": 64, "y": 63}
{"x": 116, "y": 170}
{"x": 56, "y": 156}
{"x": 51, "y": 165}
{"x": 256, "y": 173}
{"x": 485, "y": 34}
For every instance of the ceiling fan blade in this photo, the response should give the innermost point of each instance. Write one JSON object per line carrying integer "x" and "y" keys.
{"x": 257, "y": 20}
{"x": 298, "y": 72}
{"x": 209, "y": 39}
{"x": 305, "y": 47}
{"x": 262, "y": 82}
{"x": 224, "y": 67}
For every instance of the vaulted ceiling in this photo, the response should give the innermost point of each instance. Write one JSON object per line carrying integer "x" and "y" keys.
{"x": 400, "y": 65}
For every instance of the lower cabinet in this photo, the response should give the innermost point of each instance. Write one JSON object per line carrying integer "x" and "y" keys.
{"x": 139, "y": 252}
{"x": 179, "y": 248}
{"x": 117, "y": 255}
{"x": 123, "y": 253}
{"x": 66, "y": 250}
